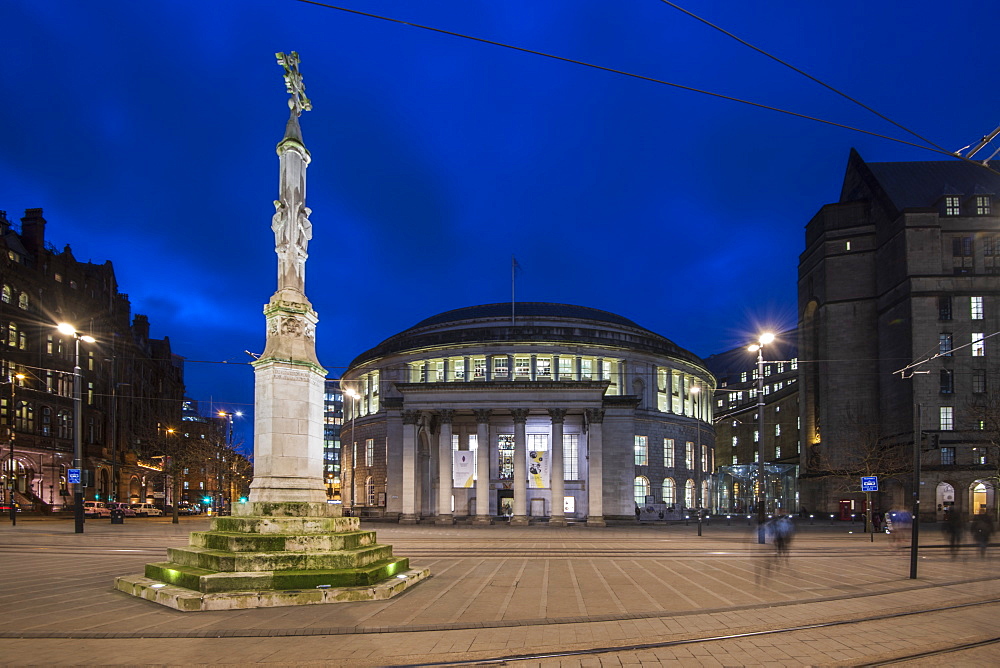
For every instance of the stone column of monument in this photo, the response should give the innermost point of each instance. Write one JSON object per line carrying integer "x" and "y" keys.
{"x": 287, "y": 546}
{"x": 288, "y": 392}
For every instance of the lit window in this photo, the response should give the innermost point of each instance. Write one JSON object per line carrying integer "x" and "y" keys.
{"x": 946, "y": 418}
{"x": 641, "y": 488}
{"x": 777, "y": 430}
{"x": 982, "y": 205}
{"x": 777, "y": 452}
{"x": 668, "y": 453}
{"x": 641, "y": 451}
{"x": 669, "y": 491}
{"x": 978, "y": 345}
{"x": 479, "y": 367}
{"x": 689, "y": 493}
{"x": 369, "y": 451}
{"x": 951, "y": 207}
{"x": 543, "y": 367}
{"x": 795, "y": 363}
{"x": 570, "y": 449}
{"x": 756, "y": 436}
{"x": 976, "y": 308}
{"x": 586, "y": 369}
{"x": 948, "y": 456}
{"x": 566, "y": 368}
{"x": 743, "y": 377}
{"x": 522, "y": 366}
{"x": 459, "y": 366}
{"x": 736, "y": 441}
{"x": 500, "y": 366}
{"x": 847, "y": 245}
{"x": 438, "y": 370}
{"x": 704, "y": 458}
{"x": 454, "y": 442}
{"x": 689, "y": 455}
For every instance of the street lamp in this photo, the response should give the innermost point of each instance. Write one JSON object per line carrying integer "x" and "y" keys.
{"x": 353, "y": 394}
{"x": 699, "y": 461}
{"x": 761, "y": 495}
{"x": 219, "y": 482}
{"x": 12, "y": 471}
{"x": 69, "y": 330}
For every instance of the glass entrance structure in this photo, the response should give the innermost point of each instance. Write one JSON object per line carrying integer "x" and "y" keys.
{"x": 736, "y": 488}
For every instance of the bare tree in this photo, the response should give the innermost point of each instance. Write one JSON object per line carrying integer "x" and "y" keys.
{"x": 866, "y": 453}
{"x": 183, "y": 453}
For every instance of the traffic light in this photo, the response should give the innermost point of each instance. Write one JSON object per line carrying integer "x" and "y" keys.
{"x": 207, "y": 500}
{"x": 243, "y": 499}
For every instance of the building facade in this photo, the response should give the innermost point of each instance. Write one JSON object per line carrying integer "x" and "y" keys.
{"x": 132, "y": 385}
{"x": 744, "y": 453}
{"x": 532, "y": 410}
{"x": 333, "y": 418}
{"x": 899, "y": 307}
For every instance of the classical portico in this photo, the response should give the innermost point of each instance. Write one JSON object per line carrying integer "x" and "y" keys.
{"x": 554, "y": 417}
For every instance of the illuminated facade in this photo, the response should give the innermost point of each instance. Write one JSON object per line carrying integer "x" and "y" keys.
{"x": 544, "y": 411}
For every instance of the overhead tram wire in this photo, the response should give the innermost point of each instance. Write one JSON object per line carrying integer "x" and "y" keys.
{"x": 805, "y": 74}
{"x": 641, "y": 77}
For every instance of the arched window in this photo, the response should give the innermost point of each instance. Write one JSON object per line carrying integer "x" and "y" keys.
{"x": 64, "y": 424}
{"x": 6, "y": 294}
{"x": 46, "y": 427}
{"x": 704, "y": 493}
{"x": 641, "y": 488}
{"x": 370, "y": 490}
{"x": 24, "y": 417}
{"x": 689, "y": 493}
{"x": 669, "y": 491}
{"x": 12, "y": 335}
{"x": 23, "y": 301}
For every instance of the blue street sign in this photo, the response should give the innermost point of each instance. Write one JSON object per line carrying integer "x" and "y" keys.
{"x": 73, "y": 476}
{"x": 869, "y": 483}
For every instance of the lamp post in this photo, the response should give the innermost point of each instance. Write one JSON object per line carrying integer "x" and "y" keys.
{"x": 12, "y": 470}
{"x": 219, "y": 482}
{"x": 760, "y": 498}
{"x": 353, "y": 394}
{"x": 69, "y": 330}
{"x": 698, "y": 460}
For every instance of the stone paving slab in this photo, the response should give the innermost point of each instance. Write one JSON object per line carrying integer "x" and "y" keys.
{"x": 494, "y": 591}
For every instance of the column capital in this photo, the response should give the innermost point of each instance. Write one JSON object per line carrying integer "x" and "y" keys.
{"x": 595, "y": 415}
{"x": 520, "y": 415}
{"x": 558, "y": 415}
{"x": 446, "y": 415}
{"x": 482, "y": 414}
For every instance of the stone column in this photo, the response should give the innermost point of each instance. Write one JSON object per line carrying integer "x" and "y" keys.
{"x": 445, "y": 477}
{"x": 595, "y": 478}
{"x": 410, "y": 425}
{"x": 520, "y": 481}
{"x": 557, "y": 517}
{"x": 482, "y": 467}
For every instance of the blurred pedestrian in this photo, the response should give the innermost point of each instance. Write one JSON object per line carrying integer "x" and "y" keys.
{"x": 953, "y": 530}
{"x": 982, "y": 530}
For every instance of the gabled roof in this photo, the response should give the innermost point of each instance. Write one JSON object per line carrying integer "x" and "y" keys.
{"x": 920, "y": 184}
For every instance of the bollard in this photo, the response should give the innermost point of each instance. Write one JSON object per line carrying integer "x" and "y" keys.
{"x": 810, "y": 519}
{"x": 118, "y": 516}
{"x": 728, "y": 522}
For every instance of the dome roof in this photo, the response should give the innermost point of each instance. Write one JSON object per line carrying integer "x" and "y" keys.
{"x": 532, "y": 321}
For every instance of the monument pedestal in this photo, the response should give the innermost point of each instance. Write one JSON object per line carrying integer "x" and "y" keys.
{"x": 275, "y": 554}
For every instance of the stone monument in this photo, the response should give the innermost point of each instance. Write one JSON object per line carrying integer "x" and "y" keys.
{"x": 287, "y": 545}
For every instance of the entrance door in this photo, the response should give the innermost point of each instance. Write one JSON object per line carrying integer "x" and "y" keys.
{"x": 505, "y": 502}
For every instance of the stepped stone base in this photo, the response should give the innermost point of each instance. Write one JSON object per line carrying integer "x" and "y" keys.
{"x": 275, "y": 554}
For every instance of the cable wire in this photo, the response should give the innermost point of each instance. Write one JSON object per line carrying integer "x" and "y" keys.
{"x": 805, "y": 74}
{"x": 640, "y": 77}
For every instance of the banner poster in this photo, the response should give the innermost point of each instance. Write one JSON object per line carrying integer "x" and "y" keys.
{"x": 538, "y": 469}
{"x": 463, "y": 467}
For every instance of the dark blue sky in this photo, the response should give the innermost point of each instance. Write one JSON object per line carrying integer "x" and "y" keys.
{"x": 147, "y": 130}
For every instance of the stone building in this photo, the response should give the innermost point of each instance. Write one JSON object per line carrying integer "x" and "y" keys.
{"x": 132, "y": 385}
{"x": 535, "y": 410}
{"x": 899, "y": 307}
{"x": 739, "y": 444}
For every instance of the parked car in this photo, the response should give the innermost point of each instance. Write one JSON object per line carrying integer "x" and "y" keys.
{"x": 146, "y": 510}
{"x": 124, "y": 507}
{"x": 188, "y": 509}
{"x": 95, "y": 509}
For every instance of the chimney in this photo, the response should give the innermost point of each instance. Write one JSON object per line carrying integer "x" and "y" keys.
{"x": 33, "y": 231}
{"x": 140, "y": 328}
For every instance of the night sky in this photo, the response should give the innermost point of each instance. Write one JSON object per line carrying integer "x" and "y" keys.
{"x": 146, "y": 131}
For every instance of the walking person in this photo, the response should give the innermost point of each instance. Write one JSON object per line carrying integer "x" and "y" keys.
{"x": 982, "y": 530}
{"x": 953, "y": 530}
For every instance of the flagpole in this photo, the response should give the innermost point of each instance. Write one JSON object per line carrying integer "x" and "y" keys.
{"x": 513, "y": 268}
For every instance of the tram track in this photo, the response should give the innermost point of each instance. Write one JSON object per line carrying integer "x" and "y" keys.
{"x": 704, "y": 640}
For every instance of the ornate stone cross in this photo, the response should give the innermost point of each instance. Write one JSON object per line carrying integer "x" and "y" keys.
{"x": 298, "y": 102}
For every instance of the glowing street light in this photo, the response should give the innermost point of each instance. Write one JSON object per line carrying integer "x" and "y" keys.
{"x": 761, "y": 495}
{"x": 70, "y": 330}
